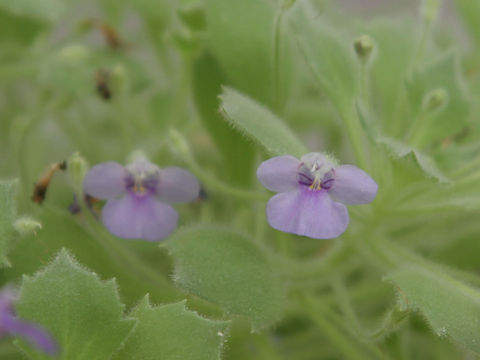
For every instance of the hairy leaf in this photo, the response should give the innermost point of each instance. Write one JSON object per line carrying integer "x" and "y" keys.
{"x": 228, "y": 269}
{"x": 83, "y": 313}
{"x": 172, "y": 332}
{"x": 260, "y": 124}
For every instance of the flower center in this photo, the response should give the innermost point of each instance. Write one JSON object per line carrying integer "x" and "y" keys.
{"x": 316, "y": 175}
{"x": 142, "y": 184}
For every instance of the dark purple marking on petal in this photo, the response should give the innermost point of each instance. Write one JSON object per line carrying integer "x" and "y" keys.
{"x": 105, "y": 180}
{"x": 307, "y": 212}
{"x": 304, "y": 179}
{"x": 139, "y": 217}
{"x": 352, "y": 186}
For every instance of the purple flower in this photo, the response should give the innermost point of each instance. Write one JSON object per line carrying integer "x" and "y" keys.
{"x": 308, "y": 193}
{"x": 138, "y": 195}
{"x": 11, "y": 325}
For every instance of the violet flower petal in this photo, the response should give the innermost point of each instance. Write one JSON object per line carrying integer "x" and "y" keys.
{"x": 35, "y": 334}
{"x": 309, "y": 213}
{"x": 105, "y": 180}
{"x": 279, "y": 174}
{"x": 352, "y": 186}
{"x": 133, "y": 217}
{"x": 177, "y": 185}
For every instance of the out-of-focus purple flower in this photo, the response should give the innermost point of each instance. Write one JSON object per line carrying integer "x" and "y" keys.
{"x": 138, "y": 195}
{"x": 312, "y": 192}
{"x": 11, "y": 325}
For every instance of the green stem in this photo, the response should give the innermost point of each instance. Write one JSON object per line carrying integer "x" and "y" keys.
{"x": 322, "y": 316}
{"x": 344, "y": 301}
{"x": 364, "y": 84}
{"x": 355, "y": 132}
{"x": 218, "y": 185}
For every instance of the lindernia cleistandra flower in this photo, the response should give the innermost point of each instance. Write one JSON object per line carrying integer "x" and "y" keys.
{"x": 312, "y": 193}
{"x": 138, "y": 195}
{"x": 11, "y": 325}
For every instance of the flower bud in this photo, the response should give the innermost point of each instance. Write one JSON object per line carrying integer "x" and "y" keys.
{"x": 193, "y": 17}
{"x": 430, "y": 10}
{"x": 435, "y": 99}
{"x": 26, "y": 225}
{"x": 73, "y": 54}
{"x": 77, "y": 168}
{"x": 287, "y": 4}
{"x": 119, "y": 77}
{"x": 363, "y": 47}
{"x": 180, "y": 143}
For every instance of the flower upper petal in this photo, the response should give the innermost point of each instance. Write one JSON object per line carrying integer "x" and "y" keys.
{"x": 279, "y": 173}
{"x": 177, "y": 185}
{"x": 35, "y": 334}
{"x": 352, "y": 185}
{"x": 133, "y": 217}
{"x": 105, "y": 180}
{"x": 309, "y": 213}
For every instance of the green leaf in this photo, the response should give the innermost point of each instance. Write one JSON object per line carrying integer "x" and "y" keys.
{"x": 83, "y": 313}
{"x": 7, "y": 219}
{"x": 228, "y": 269}
{"x": 240, "y": 36}
{"x": 330, "y": 56}
{"x": 236, "y": 151}
{"x": 451, "y": 307}
{"x": 450, "y": 118}
{"x": 172, "y": 332}
{"x": 409, "y": 155}
{"x": 260, "y": 124}
{"x": 48, "y": 10}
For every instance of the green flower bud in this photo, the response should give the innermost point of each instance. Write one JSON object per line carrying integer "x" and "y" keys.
{"x": 287, "y": 4}
{"x": 435, "y": 99}
{"x": 430, "y": 10}
{"x": 26, "y": 225}
{"x": 193, "y": 17}
{"x": 73, "y": 54}
{"x": 77, "y": 169}
{"x": 363, "y": 47}
{"x": 179, "y": 143}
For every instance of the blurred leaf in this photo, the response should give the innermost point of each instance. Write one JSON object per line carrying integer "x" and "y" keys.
{"x": 7, "y": 219}
{"x": 236, "y": 151}
{"x": 240, "y": 37}
{"x": 469, "y": 10}
{"x": 451, "y": 307}
{"x": 172, "y": 332}
{"x": 228, "y": 269}
{"x": 452, "y": 117}
{"x": 330, "y": 56}
{"x": 83, "y": 313}
{"x": 260, "y": 124}
{"x": 14, "y": 28}
{"x": 49, "y": 10}
{"x": 422, "y": 162}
